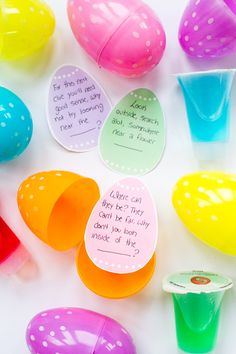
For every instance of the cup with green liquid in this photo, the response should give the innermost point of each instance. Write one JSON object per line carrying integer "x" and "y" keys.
{"x": 197, "y": 298}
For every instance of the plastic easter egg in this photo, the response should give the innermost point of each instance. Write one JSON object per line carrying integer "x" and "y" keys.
{"x": 133, "y": 137}
{"x": 112, "y": 285}
{"x": 206, "y": 203}
{"x": 208, "y": 28}
{"x": 25, "y": 27}
{"x": 125, "y": 37}
{"x": 74, "y": 330}
{"x": 56, "y": 206}
{"x": 16, "y": 125}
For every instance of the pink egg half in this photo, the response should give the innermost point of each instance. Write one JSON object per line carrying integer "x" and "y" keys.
{"x": 125, "y": 37}
{"x": 77, "y": 331}
{"x": 208, "y": 28}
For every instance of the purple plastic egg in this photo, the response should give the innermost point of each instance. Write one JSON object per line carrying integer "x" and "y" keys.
{"x": 77, "y": 331}
{"x": 208, "y": 28}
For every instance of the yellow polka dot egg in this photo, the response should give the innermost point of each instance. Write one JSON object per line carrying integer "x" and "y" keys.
{"x": 125, "y": 37}
{"x": 25, "y": 27}
{"x": 206, "y": 203}
{"x": 16, "y": 125}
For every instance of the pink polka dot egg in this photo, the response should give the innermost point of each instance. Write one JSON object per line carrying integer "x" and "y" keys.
{"x": 208, "y": 28}
{"x": 77, "y": 331}
{"x": 125, "y": 37}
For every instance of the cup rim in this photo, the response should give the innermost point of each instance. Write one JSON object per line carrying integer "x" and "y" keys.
{"x": 204, "y": 72}
{"x": 174, "y": 289}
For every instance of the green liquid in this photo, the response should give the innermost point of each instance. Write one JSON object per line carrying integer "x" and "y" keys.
{"x": 197, "y": 320}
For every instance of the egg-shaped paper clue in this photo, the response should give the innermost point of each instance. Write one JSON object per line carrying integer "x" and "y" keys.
{"x": 121, "y": 233}
{"x": 125, "y": 37}
{"x": 25, "y": 27}
{"x": 206, "y": 203}
{"x": 132, "y": 140}
{"x": 77, "y": 108}
{"x": 16, "y": 125}
{"x": 77, "y": 331}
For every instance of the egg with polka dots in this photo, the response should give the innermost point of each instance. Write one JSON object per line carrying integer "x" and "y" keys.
{"x": 56, "y": 205}
{"x": 16, "y": 125}
{"x": 207, "y": 28}
{"x": 206, "y": 204}
{"x": 75, "y": 330}
{"x": 125, "y": 37}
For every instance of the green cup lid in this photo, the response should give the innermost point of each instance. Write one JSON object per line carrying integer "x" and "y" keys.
{"x": 196, "y": 282}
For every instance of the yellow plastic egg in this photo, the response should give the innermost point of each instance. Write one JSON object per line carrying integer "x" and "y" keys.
{"x": 206, "y": 204}
{"x": 25, "y": 26}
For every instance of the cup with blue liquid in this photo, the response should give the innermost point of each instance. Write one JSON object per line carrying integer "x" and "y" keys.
{"x": 207, "y": 97}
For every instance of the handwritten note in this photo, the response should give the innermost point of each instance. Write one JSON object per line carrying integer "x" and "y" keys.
{"x": 121, "y": 234}
{"x": 77, "y": 108}
{"x": 133, "y": 137}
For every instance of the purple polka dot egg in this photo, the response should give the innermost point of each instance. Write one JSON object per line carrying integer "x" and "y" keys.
{"x": 74, "y": 330}
{"x": 125, "y": 37}
{"x": 208, "y": 28}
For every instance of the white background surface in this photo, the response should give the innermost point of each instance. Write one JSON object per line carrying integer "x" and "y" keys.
{"x": 148, "y": 315}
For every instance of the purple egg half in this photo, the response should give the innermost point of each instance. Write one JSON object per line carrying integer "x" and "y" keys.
{"x": 208, "y": 28}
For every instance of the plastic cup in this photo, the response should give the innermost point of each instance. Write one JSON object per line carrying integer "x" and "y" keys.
{"x": 56, "y": 206}
{"x": 197, "y": 332}
{"x": 112, "y": 285}
{"x": 13, "y": 255}
{"x": 207, "y": 28}
{"x": 197, "y": 298}
{"x": 207, "y": 97}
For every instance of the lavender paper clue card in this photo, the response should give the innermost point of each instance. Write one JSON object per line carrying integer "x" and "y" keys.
{"x": 77, "y": 108}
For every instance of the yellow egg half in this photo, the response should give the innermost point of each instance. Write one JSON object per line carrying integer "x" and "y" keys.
{"x": 25, "y": 27}
{"x": 206, "y": 204}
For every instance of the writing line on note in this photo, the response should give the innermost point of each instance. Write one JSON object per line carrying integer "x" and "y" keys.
{"x": 87, "y": 131}
{"x": 119, "y": 254}
{"x": 128, "y": 147}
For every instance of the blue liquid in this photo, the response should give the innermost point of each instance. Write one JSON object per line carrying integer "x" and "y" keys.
{"x": 207, "y": 99}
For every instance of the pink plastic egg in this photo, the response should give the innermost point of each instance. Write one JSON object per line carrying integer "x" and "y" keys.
{"x": 77, "y": 331}
{"x": 208, "y": 28}
{"x": 123, "y": 36}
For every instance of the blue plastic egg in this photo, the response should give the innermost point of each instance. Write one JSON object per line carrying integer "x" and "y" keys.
{"x": 16, "y": 126}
